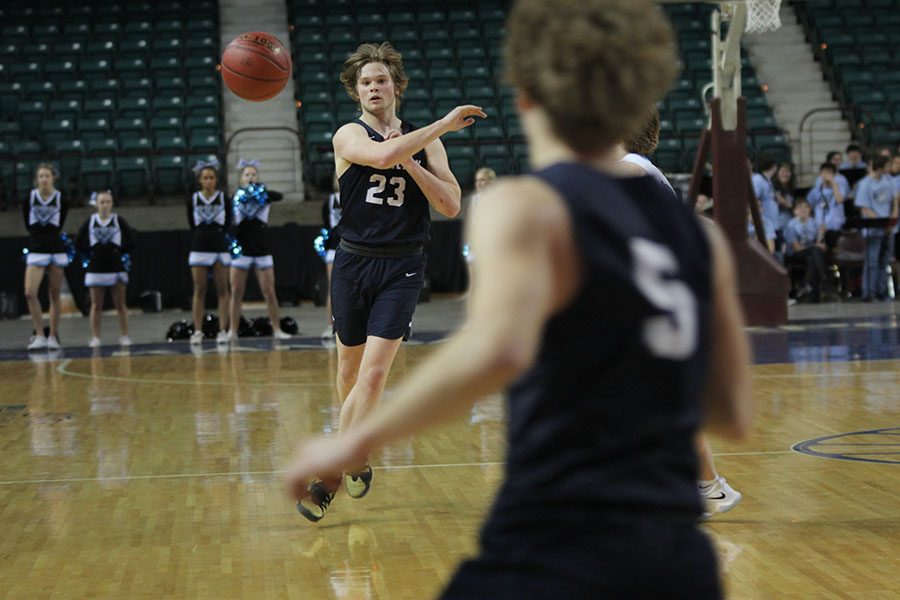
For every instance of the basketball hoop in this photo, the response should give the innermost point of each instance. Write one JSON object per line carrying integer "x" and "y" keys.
{"x": 762, "y": 16}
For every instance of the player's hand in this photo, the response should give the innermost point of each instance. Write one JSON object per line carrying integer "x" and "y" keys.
{"x": 462, "y": 116}
{"x": 322, "y": 457}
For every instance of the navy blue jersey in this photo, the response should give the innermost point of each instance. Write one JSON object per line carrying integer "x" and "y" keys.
{"x": 604, "y": 422}
{"x": 209, "y": 219}
{"x": 44, "y": 220}
{"x": 383, "y": 206}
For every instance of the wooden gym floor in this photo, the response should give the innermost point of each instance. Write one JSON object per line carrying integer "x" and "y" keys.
{"x": 135, "y": 476}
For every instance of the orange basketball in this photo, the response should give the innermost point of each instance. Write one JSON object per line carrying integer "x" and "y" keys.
{"x": 256, "y": 66}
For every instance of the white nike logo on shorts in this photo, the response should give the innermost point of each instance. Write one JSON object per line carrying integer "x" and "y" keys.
{"x": 410, "y": 274}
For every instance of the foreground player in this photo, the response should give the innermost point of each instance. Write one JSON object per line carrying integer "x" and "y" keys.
{"x": 632, "y": 155}
{"x": 611, "y": 316}
{"x": 388, "y": 172}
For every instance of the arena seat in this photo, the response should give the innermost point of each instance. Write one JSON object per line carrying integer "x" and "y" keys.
{"x": 73, "y": 73}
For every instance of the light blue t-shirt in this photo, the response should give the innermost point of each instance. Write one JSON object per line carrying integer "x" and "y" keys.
{"x": 765, "y": 193}
{"x": 877, "y": 195}
{"x": 896, "y": 180}
{"x": 818, "y": 188}
{"x": 829, "y": 213}
{"x": 798, "y": 231}
{"x": 768, "y": 228}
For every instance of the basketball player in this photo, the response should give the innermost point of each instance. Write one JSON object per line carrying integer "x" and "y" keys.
{"x": 632, "y": 155}
{"x": 209, "y": 218}
{"x": 389, "y": 173}
{"x": 611, "y": 316}
{"x": 105, "y": 238}
{"x": 44, "y": 211}
{"x": 251, "y": 219}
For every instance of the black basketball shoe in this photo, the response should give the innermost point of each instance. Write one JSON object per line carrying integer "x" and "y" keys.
{"x": 313, "y": 507}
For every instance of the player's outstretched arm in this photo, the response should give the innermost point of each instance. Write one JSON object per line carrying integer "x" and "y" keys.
{"x": 437, "y": 182}
{"x": 520, "y": 283}
{"x": 728, "y": 396}
{"x": 352, "y": 144}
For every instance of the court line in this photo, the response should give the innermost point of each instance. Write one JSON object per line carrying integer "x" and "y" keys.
{"x": 820, "y": 374}
{"x": 235, "y": 473}
{"x": 63, "y": 370}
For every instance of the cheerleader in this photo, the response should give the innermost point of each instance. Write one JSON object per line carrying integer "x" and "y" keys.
{"x": 331, "y": 216}
{"x": 250, "y": 206}
{"x": 44, "y": 211}
{"x": 106, "y": 239}
{"x": 209, "y": 218}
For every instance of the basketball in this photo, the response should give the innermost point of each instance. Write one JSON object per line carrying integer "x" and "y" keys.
{"x": 256, "y": 66}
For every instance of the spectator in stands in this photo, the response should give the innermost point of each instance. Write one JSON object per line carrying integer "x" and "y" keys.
{"x": 876, "y": 198}
{"x": 764, "y": 191}
{"x": 768, "y": 233}
{"x": 251, "y": 204}
{"x": 785, "y": 183}
{"x": 854, "y": 158}
{"x": 44, "y": 211}
{"x": 886, "y": 152}
{"x": 106, "y": 240}
{"x": 835, "y": 159}
{"x": 827, "y": 199}
{"x": 806, "y": 246}
{"x": 210, "y": 218}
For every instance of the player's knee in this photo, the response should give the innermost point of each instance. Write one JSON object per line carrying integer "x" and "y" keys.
{"x": 372, "y": 379}
{"x": 200, "y": 289}
{"x": 347, "y": 375}
{"x": 30, "y": 294}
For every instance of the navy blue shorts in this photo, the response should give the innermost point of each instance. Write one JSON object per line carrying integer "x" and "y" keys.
{"x": 644, "y": 559}
{"x": 374, "y": 296}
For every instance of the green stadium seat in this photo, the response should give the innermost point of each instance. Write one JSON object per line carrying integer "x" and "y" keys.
{"x": 10, "y": 131}
{"x": 56, "y": 130}
{"x": 134, "y": 145}
{"x": 200, "y": 66}
{"x": 202, "y": 126}
{"x": 133, "y": 175}
{"x": 99, "y": 108}
{"x": 135, "y": 47}
{"x": 168, "y": 48}
{"x": 60, "y": 70}
{"x": 207, "y": 44}
{"x": 101, "y": 146}
{"x": 170, "y": 86}
{"x": 96, "y": 69}
{"x": 134, "y": 108}
{"x": 172, "y": 106}
{"x": 166, "y": 126}
{"x": 64, "y": 109}
{"x": 73, "y": 90}
{"x": 107, "y": 30}
{"x": 26, "y": 149}
{"x": 168, "y": 142}
{"x": 90, "y": 129}
{"x": 137, "y": 87}
{"x": 169, "y": 174}
{"x": 105, "y": 87}
{"x": 203, "y": 85}
{"x": 97, "y": 174}
{"x": 70, "y": 153}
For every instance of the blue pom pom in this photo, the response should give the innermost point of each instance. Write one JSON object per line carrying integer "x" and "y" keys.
{"x": 319, "y": 243}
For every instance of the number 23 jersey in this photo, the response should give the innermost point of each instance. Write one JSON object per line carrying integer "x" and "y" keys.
{"x": 383, "y": 206}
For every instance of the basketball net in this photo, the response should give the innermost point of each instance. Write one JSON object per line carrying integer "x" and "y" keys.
{"x": 763, "y": 16}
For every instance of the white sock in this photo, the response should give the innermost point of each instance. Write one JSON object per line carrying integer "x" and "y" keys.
{"x": 705, "y": 484}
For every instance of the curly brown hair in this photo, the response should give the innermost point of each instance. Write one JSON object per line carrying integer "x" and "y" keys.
{"x": 369, "y": 53}
{"x": 645, "y": 140}
{"x": 594, "y": 66}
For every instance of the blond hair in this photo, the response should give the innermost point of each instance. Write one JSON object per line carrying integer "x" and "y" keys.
{"x": 645, "y": 140}
{"x": 594, "y": 66}
{"x": 487, "y": 172}
{"x": 369, "y": 53}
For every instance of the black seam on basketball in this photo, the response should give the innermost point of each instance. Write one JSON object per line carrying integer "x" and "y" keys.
{"x": 264, "y": 55}
{"x": 230, "y": 70}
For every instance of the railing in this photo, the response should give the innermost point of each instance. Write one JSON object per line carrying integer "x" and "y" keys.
{"x": 234, "y": 144}
{"x": 801, "y": 157}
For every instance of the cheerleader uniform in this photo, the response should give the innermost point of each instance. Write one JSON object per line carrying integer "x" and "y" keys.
{"x": 331, "y": 216}
{"x": 209, "y": 219}
{"x": 44, "y": 220}
{"x": 251, "y": 219}
{"x": 105, "y": 243}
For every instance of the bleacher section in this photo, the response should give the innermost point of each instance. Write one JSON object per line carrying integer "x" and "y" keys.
{"x": 119, "y": 94}
{"x": 858, "y": 44}
{"x": 452, "y": 54}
